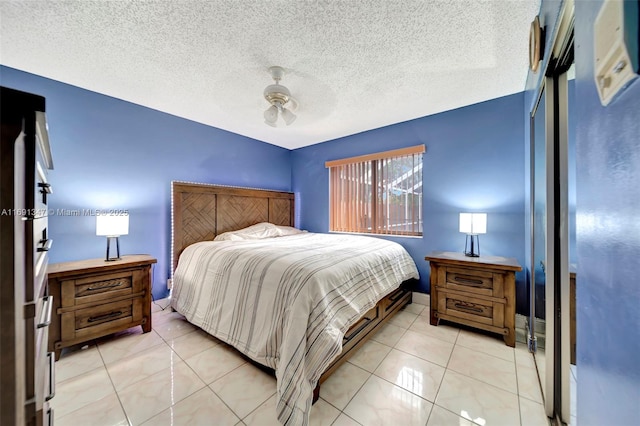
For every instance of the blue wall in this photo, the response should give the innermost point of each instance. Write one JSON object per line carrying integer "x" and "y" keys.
{"x": 473, "y": 162}
{"x": 608, "y": 242}
{"x": 109, "y": 153}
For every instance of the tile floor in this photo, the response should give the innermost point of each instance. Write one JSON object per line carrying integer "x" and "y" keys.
{"x": 410, "y": 373}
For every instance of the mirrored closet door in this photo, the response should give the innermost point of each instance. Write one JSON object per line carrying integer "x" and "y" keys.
{"x": 539, "y": 234}
{"x": 553, "y": 267}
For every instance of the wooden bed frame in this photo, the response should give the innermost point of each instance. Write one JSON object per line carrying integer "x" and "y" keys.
{"x": 199, "y": 212}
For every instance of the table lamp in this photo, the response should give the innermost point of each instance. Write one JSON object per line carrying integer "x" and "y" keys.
{"x": 473, "y": 224}
{"x": 112, "y": 226}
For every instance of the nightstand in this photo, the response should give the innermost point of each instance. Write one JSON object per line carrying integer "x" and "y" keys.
{"x": 93, "y": 298}
{"x": 474, "y": 291}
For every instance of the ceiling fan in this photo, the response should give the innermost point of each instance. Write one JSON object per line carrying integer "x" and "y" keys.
{"x": 279, "y": 97}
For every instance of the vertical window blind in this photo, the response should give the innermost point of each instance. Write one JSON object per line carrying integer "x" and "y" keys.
{"x": 377, "y": 193}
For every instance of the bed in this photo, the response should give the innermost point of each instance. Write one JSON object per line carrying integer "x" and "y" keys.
{"x": 297, "y": 302}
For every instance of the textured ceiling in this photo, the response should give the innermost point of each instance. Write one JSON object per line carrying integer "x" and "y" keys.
{"x": 352, "y": 65}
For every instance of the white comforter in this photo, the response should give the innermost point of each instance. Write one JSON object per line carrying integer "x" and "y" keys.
{"x": 286, "y": 302}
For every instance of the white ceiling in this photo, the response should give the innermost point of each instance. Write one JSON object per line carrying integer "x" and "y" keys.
{"x": 353, "y": 65}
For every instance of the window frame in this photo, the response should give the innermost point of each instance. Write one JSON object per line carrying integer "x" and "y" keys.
{"x": 368, "y": 165}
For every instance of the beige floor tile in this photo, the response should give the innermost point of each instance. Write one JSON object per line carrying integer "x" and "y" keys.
{"x": 264, "y": 415}
{"x": 541, "y": 365}
{"x": 81, "y": 390}
{"x": 388, "y": 335}
{"x": 443, "y": 331}
{"x": 125, "y": 344}
{"x": 192, "y": 344}
{"x": 142, "y": 365}
{"x": 343, "y": 384}
{"x": 163, "y": 316}
{"x": 524, "y": 358}
{"x": 532, "y": 413}
{"x": 103, "y": 412}
{"x": 488, "y": 344}
{"x": 214, "y": 363}
{"x": 244, "y": 389}
{"x": 441, "y": 417}
{"x": 72, "y": 364}
{"x": 157, "y": 387}
{"x": 528, "y": 384}
{"x": 370, "y": 355}
{"x": 425, "y": 347}
{"x": 426, "y": 312}
{"x": 379, "y": 402}
{"x": 173, "y": 327}
{"x": 154, "y": 394}
{"x": 403, "y": 319}
{"x": 478, "y": 401}
{"x": 486, "y": 368}
{"x": 414, "y": 374}
{"x": 323, "y": 413}
{"x": 344, "y": 420}
{"x": 414, "y": 308}
{"x": 201, "y": 408}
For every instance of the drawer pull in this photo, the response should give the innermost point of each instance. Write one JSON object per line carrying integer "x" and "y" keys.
{"x": 397, "y": 296}
{"x": 49, "y": 417}
{"x": 45, "y": 189}
{"x": 358, "y": 327}
{"x": 47, "y": 310}
{"x": 52, "y": 376}
{"x": 105, "y": 316}
{"x": 469, "y": 308}
{"x": 46, "y": 245}
{"x": 115, "y": 284}
{"x": 468, "y": 281}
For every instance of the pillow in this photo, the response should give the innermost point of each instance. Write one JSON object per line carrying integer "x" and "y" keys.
{"x": 283, "y": 231}
{"x": 258, "y": 231}
{"x": 253, "y": 232}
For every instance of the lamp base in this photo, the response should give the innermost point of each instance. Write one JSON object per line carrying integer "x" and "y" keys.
{"x": 474, "y": 242}
{"x": 111, "y": 259}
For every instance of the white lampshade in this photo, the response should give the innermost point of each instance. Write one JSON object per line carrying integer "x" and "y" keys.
{"x": 288, "y": 116}
{"x": 271, "y": 115}
{"x": 112, "y": 225}
{"x": 473, "y": 223}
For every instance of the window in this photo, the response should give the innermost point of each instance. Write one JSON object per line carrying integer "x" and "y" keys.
{"x": 377, "y": 193}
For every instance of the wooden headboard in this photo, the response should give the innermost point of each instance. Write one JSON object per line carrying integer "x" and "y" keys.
{"x": 201, "y": 211}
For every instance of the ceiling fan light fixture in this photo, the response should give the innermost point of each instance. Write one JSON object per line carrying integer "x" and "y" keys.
{"x": 278, "y": 96}
{"x": 271, "y": 114}
{"x": 288, "y": 116}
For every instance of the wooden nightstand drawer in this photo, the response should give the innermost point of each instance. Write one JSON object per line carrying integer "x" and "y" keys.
{"x": 470, "y": 308}
{"x": 100, "y": 319}
{"x": 100, "y": 287}
{"x": 485, "y": 282}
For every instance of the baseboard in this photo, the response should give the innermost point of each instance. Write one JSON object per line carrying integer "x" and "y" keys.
{"x": 421, "y": 298}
